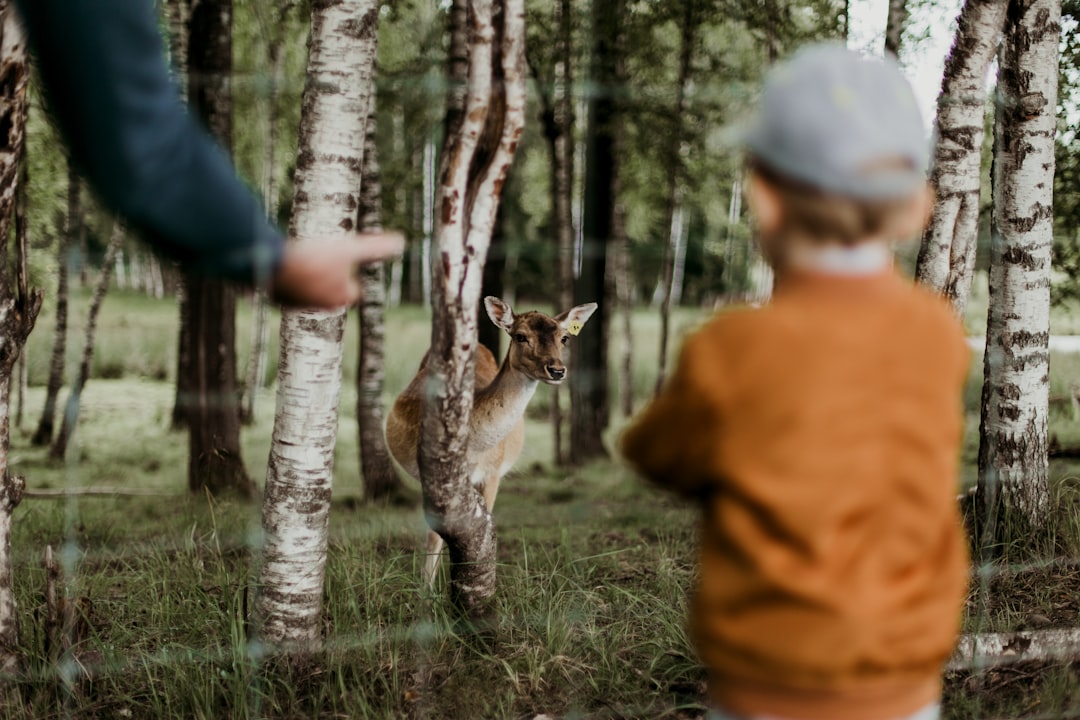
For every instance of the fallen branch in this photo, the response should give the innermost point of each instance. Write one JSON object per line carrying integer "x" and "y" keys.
{"x": 978, "y": 650}
{"x": 97, "y": 492}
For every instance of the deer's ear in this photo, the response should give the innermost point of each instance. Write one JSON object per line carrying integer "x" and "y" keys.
{"x": 574, "y": 319}
{"x": 499, "y": 312}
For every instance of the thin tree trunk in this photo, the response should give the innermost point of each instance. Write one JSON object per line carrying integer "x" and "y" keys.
{"x": 380, "y": 479}
{"x": 44, "y": 433}
{"x": 1013, "y": 460}
{"x": 894, "y": 26}
{"x": 213, "y": 415}
{"x": 71, "y": 408}
{"x": 178, "y": 13}
{"x": 678, "y": 151}
{"x": 429, "y": 219}
{"x": 296, "y": 507}
{"x": 488, "y": 334}
{"x": 22, "y": 250}
{"x": 558, "y": 119}
{"x": 947, "y": 255}
{"x": 255, "y": 374}
{"x": 479, "y": 148}
{"x": 182, "y": 399}
{"x": 19, "y": 309}
{"x": 624, "y": 289}
{"x": 590, "y": 404}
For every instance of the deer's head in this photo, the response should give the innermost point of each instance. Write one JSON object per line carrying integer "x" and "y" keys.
{"x": 536, "y": 340}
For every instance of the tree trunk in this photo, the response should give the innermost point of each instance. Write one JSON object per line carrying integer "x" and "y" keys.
{"x": 589, "y": 403}
{"x": 380, "y": 479}
{"x": 338, "y": 93}
{"x": 624, "y": 290}
{"x": 19, "y": 308}
{"x": 182, "y": 399}
{"x": 22, "y": 250}
{"x": 492, "y": 283}
{"x": 479, "y": 148}
{"x": 558, "y": 119}
{"x": 213, "y": 415}
{"x": 894, "y": 26}
{"x": 178, "y": 13}
{"x": 255, "y": 374}
{"x": 678, "y": 151}
{"x": 71, "y": 408}
{"x": 1013, "y": 459}
{"x": 947, "y": 256}
{"x": 44, "y": 433}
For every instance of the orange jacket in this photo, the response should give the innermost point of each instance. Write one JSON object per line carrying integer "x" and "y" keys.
{"x": 822, "y": 435}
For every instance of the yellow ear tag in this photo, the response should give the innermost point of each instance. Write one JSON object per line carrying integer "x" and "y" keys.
{"x": 574, "y": 327}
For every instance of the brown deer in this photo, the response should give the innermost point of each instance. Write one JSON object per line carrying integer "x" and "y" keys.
{"x": 497, "y": 423}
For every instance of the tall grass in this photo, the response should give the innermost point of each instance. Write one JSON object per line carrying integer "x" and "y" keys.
{"x": 594, "y": 572}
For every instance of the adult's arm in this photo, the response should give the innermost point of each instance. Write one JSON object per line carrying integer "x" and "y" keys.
{"x": 107, "y": 84}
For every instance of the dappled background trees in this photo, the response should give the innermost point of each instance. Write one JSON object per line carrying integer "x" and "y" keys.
{"x": 625, "y": 190}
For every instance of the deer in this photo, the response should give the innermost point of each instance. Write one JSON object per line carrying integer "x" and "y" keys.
{"x": 496, "y": 432}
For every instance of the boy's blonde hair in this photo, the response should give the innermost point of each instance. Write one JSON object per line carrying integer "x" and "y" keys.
{"x": 821, "y": 216}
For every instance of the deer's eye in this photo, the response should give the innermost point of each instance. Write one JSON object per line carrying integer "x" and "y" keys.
{"x": 564, "y": 339}
{"x": 520, "y": 337}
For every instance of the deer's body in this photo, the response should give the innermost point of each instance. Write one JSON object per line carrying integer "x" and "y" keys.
{"x": 497, "y": 423}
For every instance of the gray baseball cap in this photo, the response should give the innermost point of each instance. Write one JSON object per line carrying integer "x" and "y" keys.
{"x": 842, "y": 122}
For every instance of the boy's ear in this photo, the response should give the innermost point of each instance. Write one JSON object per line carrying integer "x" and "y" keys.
{"x": 764, "y": 203}
{"x": 499, "y": 312}
{"x": 574, "y": 319}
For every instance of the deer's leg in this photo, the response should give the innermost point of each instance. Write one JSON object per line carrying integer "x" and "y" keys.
{"x": 490, "y": 490}
{"x": 431, "y": 561}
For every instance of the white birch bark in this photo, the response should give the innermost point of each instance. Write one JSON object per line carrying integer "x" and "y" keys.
{"x": 296, "y": 504}
{"x": 947, "y": 256}
{"x": 465, "y": 216}
{"x": 1013, "y": 459}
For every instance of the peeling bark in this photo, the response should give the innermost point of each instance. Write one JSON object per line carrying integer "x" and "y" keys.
{"x": 296, "y": 506}
{"x": 947, "y": 255}
{"x": 1013, "y": 460}
{"x": 19, "y": 307}
{"x": 480, "y": 146}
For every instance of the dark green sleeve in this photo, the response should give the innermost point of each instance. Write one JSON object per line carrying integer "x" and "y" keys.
{"x": 108, "y": 87}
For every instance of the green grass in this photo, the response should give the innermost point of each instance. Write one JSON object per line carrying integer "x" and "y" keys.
{"x": 595, "y": 568}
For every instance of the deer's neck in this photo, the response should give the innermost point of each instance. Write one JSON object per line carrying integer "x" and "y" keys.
{"x": 499, "y": 407}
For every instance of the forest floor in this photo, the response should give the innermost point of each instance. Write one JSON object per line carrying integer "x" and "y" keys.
{"x": 594, "y": 572}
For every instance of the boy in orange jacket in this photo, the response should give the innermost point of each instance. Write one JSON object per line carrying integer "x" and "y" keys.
{"x": 821, "y": 433}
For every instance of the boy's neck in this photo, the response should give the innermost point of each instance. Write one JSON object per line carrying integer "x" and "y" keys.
{"x": 866, "y": 258}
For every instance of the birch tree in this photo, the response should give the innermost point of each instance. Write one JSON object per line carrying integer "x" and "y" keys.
{"x": 213, "y": 416}
{"x": 482, "y": 137}
{"x": 947, "y": 255}
{"x": 380, "y": 479}
{"x": 1013, "y": 459}
{"x": 19, "y": 307}
{"x": 71, "y": 407}
{"x": 296, "y": 505}
{"x": 73, "y": 219}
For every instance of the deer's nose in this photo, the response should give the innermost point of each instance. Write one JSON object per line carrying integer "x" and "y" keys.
{"x": 556, "y": 373}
